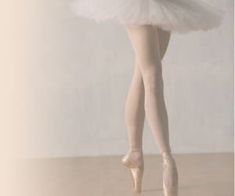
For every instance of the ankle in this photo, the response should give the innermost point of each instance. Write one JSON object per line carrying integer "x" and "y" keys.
{"x": 135, "y": 150}
{"x": 167, "y": 157}
{"x": 136, "y": 155}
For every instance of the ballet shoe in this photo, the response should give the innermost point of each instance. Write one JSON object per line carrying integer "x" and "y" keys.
{"x": 170, "y": 176}
{"x": 136, "y": 168}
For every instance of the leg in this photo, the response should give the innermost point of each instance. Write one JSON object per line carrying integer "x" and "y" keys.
{"x": 147, "y": 52}
{"x": 164, "y": 37}
{"x": 148, "y": 57}
{"x": 134, "y": 109}
{"x": 134, "y": 118}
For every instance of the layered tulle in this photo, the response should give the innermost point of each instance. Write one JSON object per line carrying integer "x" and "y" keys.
{"x": 171, "y": 15}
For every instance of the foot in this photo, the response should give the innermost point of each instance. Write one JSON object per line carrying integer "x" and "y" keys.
{"x": 134, "y": 161}
{"x": 170, "y": 175}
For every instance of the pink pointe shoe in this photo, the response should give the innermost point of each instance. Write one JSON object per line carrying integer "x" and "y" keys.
{"x": 170, "y": 176}
{"x": 136, "y": 166}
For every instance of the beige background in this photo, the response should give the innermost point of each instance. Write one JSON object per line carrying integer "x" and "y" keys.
{"x": 76, "y": 75}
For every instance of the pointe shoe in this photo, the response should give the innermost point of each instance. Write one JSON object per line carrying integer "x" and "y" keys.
{"x": 170, "y": 176}
{"x": 136, "y": 168}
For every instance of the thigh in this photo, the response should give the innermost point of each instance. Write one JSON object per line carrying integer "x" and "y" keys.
{"x": 145, "y": 44}
{"x": 164, "y": 38}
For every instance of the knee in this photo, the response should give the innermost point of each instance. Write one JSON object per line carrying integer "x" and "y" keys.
{"x": 152, "y": 77}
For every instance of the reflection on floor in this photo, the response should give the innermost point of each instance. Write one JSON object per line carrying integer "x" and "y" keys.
{"x": 199, "y": 175}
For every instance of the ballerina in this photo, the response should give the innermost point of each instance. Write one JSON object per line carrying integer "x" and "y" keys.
{"x": 149, "y": 25}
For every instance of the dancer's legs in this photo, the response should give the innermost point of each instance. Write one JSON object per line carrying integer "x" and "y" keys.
{"x": 147, "y": 80}
{"x": 134, "y": 108}
{"x": 146, "y": 45}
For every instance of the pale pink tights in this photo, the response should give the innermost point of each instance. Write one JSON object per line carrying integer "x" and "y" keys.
{"x": 146, "y": 96}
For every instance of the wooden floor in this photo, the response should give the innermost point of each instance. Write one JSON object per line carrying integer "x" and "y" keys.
{"x": 199, "y": 175}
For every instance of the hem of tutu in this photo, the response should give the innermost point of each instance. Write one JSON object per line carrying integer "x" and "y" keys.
{"x": 165, "y": 27}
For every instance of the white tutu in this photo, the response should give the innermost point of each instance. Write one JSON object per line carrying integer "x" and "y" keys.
{"x": 170, "y": 15}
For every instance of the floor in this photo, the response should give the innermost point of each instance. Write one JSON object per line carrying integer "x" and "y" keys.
{"x": 199, "y": 175}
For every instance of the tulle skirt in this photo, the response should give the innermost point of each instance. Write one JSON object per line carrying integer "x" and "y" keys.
{"x": 170, "y": 15}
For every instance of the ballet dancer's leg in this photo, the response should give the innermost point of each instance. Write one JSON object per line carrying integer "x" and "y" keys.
{"x": 147, "y": 53}
{"x": 134, "y": 108}
{"x": 134, "y": 111}
{"x": 164, "y": 38}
